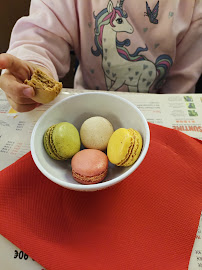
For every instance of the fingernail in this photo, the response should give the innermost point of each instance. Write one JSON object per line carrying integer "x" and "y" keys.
{"x": 28, "y": 92}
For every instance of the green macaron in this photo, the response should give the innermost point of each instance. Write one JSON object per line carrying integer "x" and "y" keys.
{"x": 62, "y": 141}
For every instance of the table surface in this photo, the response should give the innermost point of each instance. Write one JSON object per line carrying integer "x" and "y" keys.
{"x": 182, "y": 112}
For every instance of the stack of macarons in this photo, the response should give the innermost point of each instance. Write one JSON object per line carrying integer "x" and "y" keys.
{"x": 90, "y": 165}
{"x": 101, "y": 143}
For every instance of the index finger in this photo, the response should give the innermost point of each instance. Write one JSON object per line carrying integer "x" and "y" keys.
{"x": 16, "y": 66}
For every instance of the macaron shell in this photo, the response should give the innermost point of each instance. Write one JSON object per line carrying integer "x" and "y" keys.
{"x": 89, "y": 166}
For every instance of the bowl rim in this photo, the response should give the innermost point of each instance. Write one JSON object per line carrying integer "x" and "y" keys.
{"x": 101, "y": 185}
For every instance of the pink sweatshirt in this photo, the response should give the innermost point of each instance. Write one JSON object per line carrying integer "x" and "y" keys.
{"x": 133, "y": 45}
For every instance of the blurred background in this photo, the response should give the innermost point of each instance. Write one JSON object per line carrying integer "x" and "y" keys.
{"x": 11, "y": 11}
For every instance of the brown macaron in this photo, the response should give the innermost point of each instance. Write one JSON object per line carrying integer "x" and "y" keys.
{"x": 46, "y": 88}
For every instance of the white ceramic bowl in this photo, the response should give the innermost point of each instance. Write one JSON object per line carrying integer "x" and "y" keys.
{"x": 76, "y": 109}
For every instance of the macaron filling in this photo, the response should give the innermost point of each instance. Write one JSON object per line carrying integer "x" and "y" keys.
{"x": 49, "y": 145}
{"x": 52, "y": 145}
{"x": 133, "y": 150}
{"x": 89, "y": 179}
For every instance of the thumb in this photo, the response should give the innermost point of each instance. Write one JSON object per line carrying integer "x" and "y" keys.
{"x": 19, "y": 68}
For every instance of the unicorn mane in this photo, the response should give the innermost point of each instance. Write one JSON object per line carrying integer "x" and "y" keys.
{"x": 104, "y": 18}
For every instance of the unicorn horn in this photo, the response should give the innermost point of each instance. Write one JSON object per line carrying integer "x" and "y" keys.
{"x": 121, "y": 4}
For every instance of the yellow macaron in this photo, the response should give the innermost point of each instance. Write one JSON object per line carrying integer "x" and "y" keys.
{"x": 124, "y": 147}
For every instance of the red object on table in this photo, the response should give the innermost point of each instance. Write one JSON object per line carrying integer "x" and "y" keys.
{"x": 148, "y": 221}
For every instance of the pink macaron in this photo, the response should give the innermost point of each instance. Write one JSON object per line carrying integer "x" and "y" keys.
{"x": 89, "y": 166}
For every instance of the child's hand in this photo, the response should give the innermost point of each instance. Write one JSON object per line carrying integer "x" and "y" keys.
{"x": 19, "y": 95}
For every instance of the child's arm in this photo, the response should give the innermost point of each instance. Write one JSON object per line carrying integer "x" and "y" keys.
{"x": 40, "y": 39}
{"x": 187, "y": 66}
{"x": 45, "y": 36}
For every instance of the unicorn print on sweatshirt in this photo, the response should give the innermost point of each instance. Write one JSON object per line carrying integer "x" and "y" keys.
{"x": 119, "y": 66}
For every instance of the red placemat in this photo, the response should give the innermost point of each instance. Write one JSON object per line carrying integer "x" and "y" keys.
{"x": 148, "y": 221}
